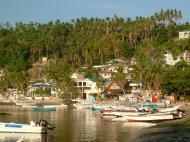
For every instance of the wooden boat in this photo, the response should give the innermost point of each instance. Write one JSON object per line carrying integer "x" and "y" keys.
{"x": 33, "y": 127}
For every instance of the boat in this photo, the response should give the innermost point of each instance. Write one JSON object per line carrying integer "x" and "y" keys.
{"x": 42, "y": 127}
{"x": 138, "y": 124}
{"x": 150, "y": 118}
{"x": 48, "y": 109}
{"x": 26, "y": 104}
{"x": 169, "y": 109}
{"x": 79, "y": 104}
{"x": 20, "y": 137}
{"x": 55, "y": 106}
{"x": 114, "y": 114}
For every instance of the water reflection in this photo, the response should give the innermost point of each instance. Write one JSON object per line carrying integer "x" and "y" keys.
{"x": 72, "y": 125}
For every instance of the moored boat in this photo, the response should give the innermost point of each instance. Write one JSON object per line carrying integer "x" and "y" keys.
{"x": 33, "y": 127}
{"x": 138, "y": 124}
{"x": 168, "y": 109}
{"x": 44, "y": 109}
{"x": 151, "y": 118}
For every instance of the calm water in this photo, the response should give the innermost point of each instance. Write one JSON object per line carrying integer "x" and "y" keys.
{"x": 72, "y": 125}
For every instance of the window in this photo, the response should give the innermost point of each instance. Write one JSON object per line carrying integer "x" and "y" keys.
{"x": 185, "y": 34}
{"x": 87, "y": 88}
{"x": 75, "y": 84}
{"x": 79, "y": 83}
{"x": 84, "y": 83}
{"x": 83, "y": 95}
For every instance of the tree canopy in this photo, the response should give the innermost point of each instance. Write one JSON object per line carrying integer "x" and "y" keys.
{"x": 92, "y": 41}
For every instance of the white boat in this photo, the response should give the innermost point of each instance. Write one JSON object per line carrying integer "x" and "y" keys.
{"x": 151, "y": 118}
{"x": 138, "y": 124}
{"x": 55, "y": 106}
{"x": 168, "y": 109}
{"x": 33, "y": 127}
{"x": 26, "y": 104}
{"x": 18, "y": 137}
{"x": 80, "y": 104}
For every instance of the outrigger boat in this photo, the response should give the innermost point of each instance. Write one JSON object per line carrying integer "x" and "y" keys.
{"x": 42, "y": 127}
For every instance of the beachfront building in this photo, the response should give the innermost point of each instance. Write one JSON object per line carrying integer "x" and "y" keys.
{"x": 87, "y": 86}
{"x": 112, "y": 91}
{"x": 39, "y": 91}
{"x": 184, "y": 34}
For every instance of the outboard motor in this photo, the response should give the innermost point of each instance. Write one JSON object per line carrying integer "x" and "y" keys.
{"x": 181, "y": 112}
{"x": 45, "y": 124}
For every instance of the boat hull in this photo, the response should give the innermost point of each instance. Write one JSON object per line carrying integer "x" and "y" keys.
{"x": 155, "y": 118}
{"x": 21, "y": 128}
{"x": 44, "y": 109}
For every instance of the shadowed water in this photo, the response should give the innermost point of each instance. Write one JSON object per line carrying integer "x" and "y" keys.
{"x": 74, "y": 125}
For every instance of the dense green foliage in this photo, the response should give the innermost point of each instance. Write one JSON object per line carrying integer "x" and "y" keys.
{"x": 86, "y": 42}
{"x": 177, "y": 79}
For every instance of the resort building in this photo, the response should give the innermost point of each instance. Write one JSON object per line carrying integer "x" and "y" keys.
{"x": 184, "y": 34}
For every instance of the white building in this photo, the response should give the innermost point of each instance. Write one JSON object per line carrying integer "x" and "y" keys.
{"x": 169, "y": 59}
{"x": 87, "y": 88}
{"x": 184, "y": 34}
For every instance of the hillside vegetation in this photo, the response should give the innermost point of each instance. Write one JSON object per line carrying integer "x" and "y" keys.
{"x": 88, "y": 42}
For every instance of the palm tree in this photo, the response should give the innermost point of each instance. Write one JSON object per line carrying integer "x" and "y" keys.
{"x": 120, "y": 78}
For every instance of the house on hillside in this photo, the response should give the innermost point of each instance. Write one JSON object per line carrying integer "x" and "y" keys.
{"x": 186, "y": 56}
{"x": 170, "y": 60}
{"x": 184, "y": 34}
{"x": 106, "y": 74}
{"x": 110, "y": 67}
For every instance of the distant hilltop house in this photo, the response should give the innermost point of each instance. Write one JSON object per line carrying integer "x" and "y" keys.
{"x": 110, "y": 67}
{"x": 170, "y": 60}
{"x": 184, "y": 34}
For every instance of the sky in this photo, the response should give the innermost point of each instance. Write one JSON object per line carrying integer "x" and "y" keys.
{"x": 43, "y": 11}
